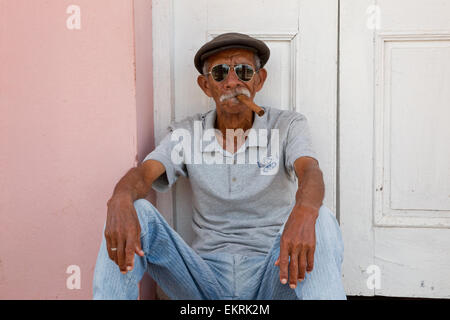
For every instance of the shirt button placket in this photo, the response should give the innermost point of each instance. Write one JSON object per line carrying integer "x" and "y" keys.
{"x": 233, "y": 175}
{"x": 229, "y": 177}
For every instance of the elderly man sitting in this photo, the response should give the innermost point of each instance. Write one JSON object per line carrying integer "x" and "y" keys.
{"x": 261, "y": 229}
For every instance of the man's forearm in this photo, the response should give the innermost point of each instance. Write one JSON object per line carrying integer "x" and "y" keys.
{"x": 311, "y": 188}
{"x": 131, "y": 186}
{"x": 136, "y": 183}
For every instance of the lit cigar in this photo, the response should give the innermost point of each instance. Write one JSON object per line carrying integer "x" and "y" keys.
{"x": 249, "y": 103}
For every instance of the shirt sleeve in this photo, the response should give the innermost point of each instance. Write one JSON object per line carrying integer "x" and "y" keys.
{"x": 298, "y": 142}
{"x": 174, "y": 170}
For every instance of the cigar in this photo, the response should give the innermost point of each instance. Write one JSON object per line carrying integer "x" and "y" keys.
{"x": 249, "y": 103}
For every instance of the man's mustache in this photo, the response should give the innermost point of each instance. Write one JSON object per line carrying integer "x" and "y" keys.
{"x": 234, "y": 94}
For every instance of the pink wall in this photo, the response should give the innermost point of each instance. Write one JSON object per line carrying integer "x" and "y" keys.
{"x": 69, "y": 130}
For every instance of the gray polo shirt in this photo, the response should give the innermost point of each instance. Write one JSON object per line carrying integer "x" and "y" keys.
{"x": 240, "y": 201}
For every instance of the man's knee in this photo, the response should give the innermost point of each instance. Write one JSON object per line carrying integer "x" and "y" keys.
{"x": 327, "y": 217}
{"x": 328, "y": 231}
{"x": 146, "y": 212}
{"x": 143, "y": 204}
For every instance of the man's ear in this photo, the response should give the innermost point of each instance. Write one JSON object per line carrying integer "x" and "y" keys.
{"x": 262, "y": 76}
{"x": 203, "y": 83}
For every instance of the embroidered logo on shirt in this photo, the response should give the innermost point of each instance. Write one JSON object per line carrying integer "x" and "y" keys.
{"x": 268, "y": 166}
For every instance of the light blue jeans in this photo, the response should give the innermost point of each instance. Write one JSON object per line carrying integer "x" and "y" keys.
{"x": 182, "y": 273}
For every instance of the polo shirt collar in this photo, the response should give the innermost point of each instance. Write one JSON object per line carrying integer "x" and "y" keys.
{"x": 209, "y": 120}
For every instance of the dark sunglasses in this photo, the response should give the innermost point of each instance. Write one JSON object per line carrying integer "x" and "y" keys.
{"x": 244, "y": 72}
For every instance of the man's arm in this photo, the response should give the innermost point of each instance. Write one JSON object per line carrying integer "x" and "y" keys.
{"x": 298, "y": 240}
{"x": 122, "y": 230}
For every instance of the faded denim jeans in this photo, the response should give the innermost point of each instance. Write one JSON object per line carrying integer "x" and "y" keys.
{"x": 182, "y": 273}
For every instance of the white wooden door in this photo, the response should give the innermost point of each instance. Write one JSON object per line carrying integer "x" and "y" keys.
{"x": 394, "y": 146}
{"x": 302, "y": 36}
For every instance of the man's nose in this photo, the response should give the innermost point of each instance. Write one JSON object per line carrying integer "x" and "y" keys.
{"x": 232, "y": 80}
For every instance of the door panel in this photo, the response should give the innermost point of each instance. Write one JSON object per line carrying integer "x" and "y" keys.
{"x": 412, "y": 132}
{"x": 395, "y": 186}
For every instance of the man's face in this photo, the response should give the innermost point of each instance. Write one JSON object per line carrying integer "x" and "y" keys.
{"x": 224, "y": 92}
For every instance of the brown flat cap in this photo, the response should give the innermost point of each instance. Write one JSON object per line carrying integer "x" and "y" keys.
{"x": 229, "y": 41}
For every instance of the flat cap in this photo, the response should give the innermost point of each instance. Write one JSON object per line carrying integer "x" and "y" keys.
{"x": 228, "y": 41}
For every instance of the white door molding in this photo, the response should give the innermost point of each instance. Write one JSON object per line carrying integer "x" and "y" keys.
{"x": 163, "y": 94}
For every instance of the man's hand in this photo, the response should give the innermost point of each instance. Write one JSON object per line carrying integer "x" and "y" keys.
{"x": 122, "y": 232}
{"x": 297, "y": 243}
